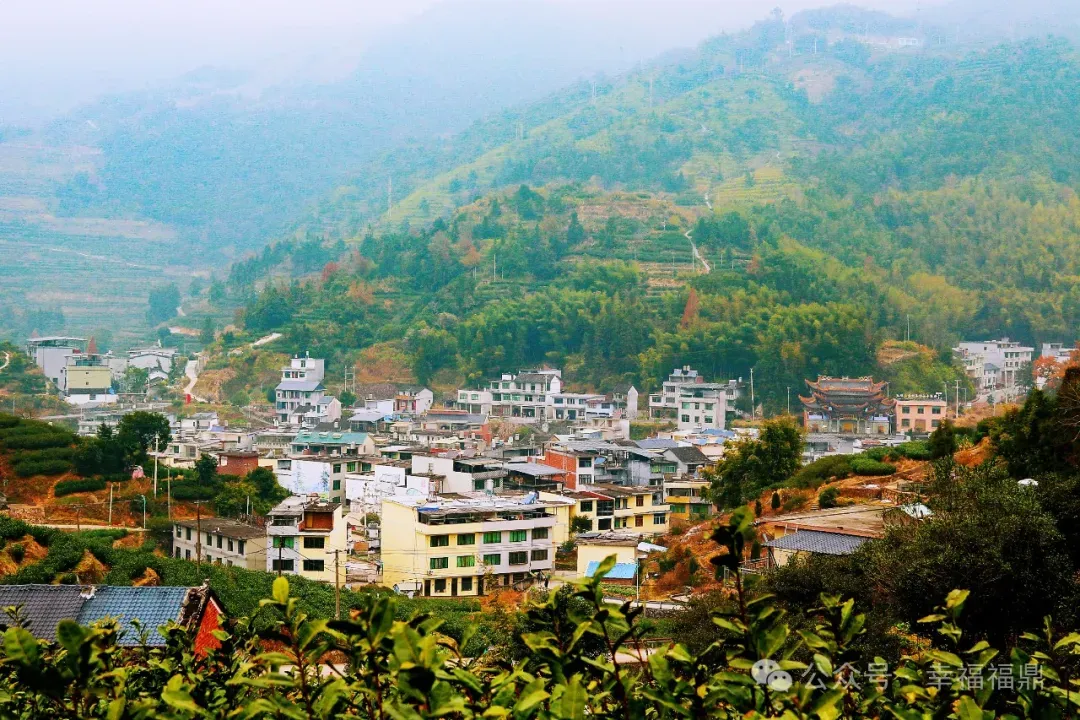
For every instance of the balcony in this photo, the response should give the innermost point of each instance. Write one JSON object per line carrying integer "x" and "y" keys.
{"x": 483, "y": 526}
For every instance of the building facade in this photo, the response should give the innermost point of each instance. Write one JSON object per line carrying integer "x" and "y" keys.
{"x": 920, "y": 413}
{"x": 220, "y": 541}
{"x": 856, "y": 406}
{"x": 465, "y": 546}
{"x": 691, "y": 402}
{"x": 305, "y": 536}
{"x": 1002, "y": 362}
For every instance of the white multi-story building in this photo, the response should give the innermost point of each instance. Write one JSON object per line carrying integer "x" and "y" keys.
{"x": 691, "y": 402}
{"x": 525, "y": 395}
{"x": 1002, "y": 363}
{"x": 219, "y": 541}
{"x": 301, "y": 399}
{"x": 467, "y": 545}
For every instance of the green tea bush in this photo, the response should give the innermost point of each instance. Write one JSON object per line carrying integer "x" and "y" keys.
{"x": 867, "y": 466}
{"x": 67, "y": 487}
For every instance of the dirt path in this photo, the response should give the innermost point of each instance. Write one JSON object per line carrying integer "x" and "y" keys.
{"x": 7, "y": 361}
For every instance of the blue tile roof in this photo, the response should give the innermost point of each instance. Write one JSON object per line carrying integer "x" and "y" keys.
{"x": 815, "y": 541}
{"x": 621, "y": 571}
{"x": 42, "y": 607}
{"x": 153, "y": 606}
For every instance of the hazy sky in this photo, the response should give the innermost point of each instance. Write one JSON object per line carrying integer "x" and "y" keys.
{"x": 57, "y": 53}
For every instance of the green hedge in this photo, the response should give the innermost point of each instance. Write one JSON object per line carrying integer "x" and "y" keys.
{"x": 53, "y": 453}
{"x": 37, "y": 441}
{"x": 67, "y": 487}
{"x": 188, "y": 491}
{"x": 869, "y": 466}
{"x": 822, "y": 470}
{"x": 29, "y": 468}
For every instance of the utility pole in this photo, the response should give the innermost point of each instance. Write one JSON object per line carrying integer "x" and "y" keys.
{"x": 78, "y": 518}
{"x": 957, "y": 399}
{"x": 198, "y": 532}
{"x": 279, "y": 549}
{"x": 156, "y": 440}
{"x": 337, "y": 587}
{"x": 789, "y": 400}
{"x": 110, "y": 502}
{"x": 753, "y": 405}
{"x": 907, "y": 335}
{"x": 143, "y": 511}
{"x": 168, "y": 490}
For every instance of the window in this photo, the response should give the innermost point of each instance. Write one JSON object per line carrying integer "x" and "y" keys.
{"x": 584, "y": 462}
{"x": 935, "y": 411}
{"x": 316, "y": 543}
{"x": 439, "y": 563}
{"x": 350, "y": 467}
{"x": 314, "y": 566}
{"x": 659, "y": 519}
{"x": 466, "y": 561}
{"x": 209, "y": 559}
{"x": 538, "y": 555}
{"x": 219, "y": 542}
{"x": 708, "y": 419}
{"x": 519, "y": 558}
{"x": 285, "y": 542}
{"x": 230, "y": 546}
{"x": 686, "y": 418}
{"x": 229, "y": 563}
{"x": 906, "y": 409}
{"x": 586, "y": 506}
{"x": 440, "y": 586}
{"x": 466, "y": 539}
{"x": 708, "y": 406}
{"x": 493, "y": 559}
{"x": 540, "y": 533}
{"x": 337, "y": 468}
{"x": 466, "y": 584}
{"x": 187, "y": 554}
{"x": 209, "y": 540}
{"x": 686, "y": 406}
{"x": 639, "y": 520}
{"x": 337, "y": 484}
{"x": 440, "y": 540}
{"x": 905, "y": 422}
{"x": 240, "y": 546}
{"x": 935, "y": 423}
{"x": 641, "y": 501}
{"x": 519, "y": 535}
{"x": 177, "y": 554}
{"x": 603, "y": 524}
{"x": 283, "y": 565}
{"x": 177, "y": 531}
{"x": 920, "y": 411}
{"x": 491, "y": 538}
{"x": 478, "y": 484}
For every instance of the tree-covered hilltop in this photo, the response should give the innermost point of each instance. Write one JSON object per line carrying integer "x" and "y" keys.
{"x": 835, "y": 200}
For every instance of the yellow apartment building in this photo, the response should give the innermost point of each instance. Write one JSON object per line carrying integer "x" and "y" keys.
{"x": 640, "y": 509}
{"x": 466, "y": 544}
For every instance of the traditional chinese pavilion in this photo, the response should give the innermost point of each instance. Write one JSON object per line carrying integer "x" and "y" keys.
{"x": 858, "y": 406}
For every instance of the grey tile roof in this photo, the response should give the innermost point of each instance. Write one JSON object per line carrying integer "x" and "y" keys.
{"x": 302, "y": 385}
{"x": 43, "y": 606}
{"x": 688, "y": 454}
{"x": 657, "y": 443}
{"x": 815, "y": 541}
{"x": 152, "y": 606}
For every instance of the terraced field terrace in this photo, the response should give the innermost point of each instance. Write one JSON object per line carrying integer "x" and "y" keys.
{"x": 96, "y": 271}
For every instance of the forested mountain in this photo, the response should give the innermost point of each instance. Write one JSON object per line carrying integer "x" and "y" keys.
{"x": 840, "y": 186}
{"x": 232, "y": 157}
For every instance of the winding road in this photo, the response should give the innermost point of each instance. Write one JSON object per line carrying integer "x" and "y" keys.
{"x": 7, "y": 361}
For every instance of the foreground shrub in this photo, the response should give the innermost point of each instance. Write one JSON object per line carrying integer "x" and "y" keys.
{"x": 822, "y": 470}
{"x": 748, "y": 662}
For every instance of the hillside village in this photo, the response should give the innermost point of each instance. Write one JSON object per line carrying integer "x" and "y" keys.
{"x": 501, "y": 485}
